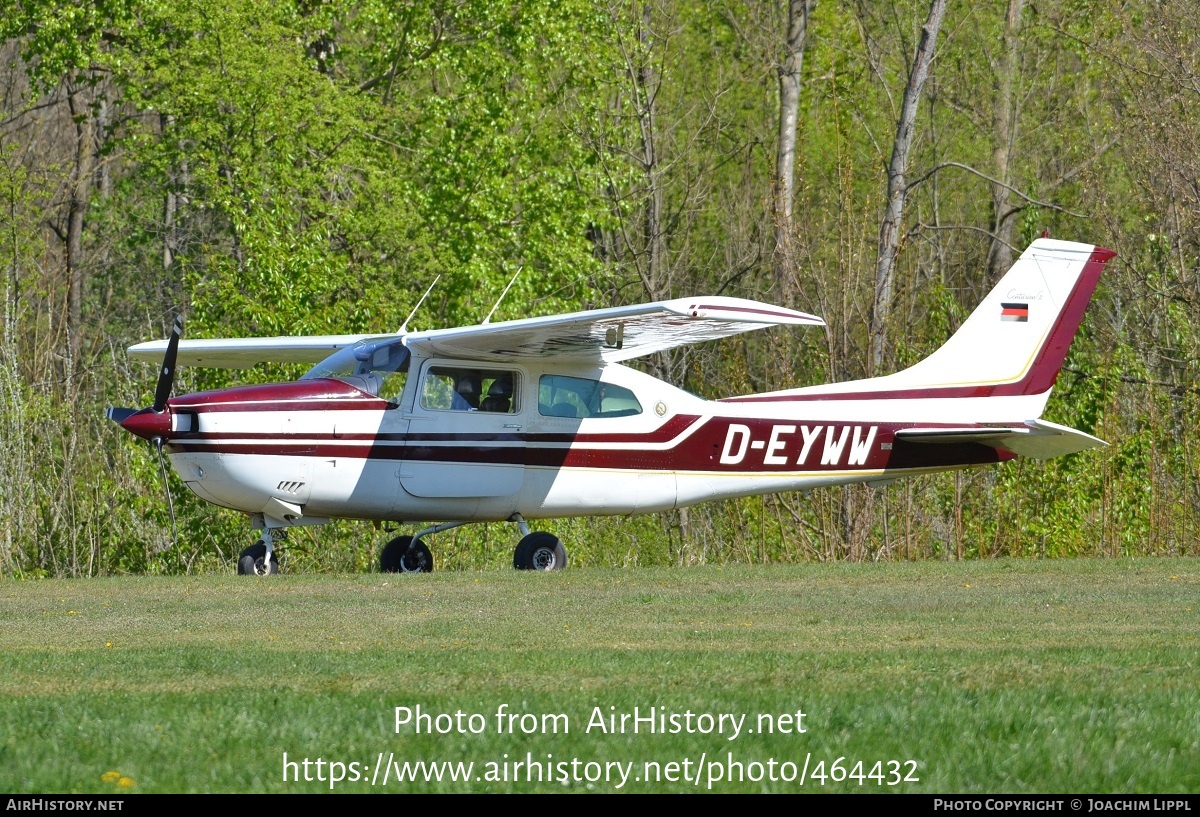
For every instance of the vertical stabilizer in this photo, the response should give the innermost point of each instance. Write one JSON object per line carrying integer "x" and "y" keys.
{"x": 1015, "y": 341}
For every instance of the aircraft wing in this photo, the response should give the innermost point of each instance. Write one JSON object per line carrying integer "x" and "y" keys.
{"x": 598, "y": 335}
{"x": 1039, "y": 439}
{"x": 608, "y": 335}
{"x": 242, "y": 353}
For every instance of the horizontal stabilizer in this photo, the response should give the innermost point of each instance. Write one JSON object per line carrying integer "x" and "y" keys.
{"x": 1039, "y": 439}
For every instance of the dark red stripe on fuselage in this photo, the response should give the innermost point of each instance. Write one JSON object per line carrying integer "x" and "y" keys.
{"x": 663, "y": 434}
{"x": 769, "y": 446}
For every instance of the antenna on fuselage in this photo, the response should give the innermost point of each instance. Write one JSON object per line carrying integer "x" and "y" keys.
{"x": 502, "y": 294}
{"x": 404, "y": 326}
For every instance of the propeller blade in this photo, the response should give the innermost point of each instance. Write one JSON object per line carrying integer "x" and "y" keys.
{"x": 119, "y": 415}
{"x": 162, "y": 463}
{"x": 166, "y": 378}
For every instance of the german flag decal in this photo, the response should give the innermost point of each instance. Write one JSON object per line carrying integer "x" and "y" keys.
{"x": 1014, "y": 312}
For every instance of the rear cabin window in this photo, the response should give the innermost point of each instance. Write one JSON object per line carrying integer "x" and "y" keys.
{"x": 454, "y": 388}
{"x": 581, "y": 397}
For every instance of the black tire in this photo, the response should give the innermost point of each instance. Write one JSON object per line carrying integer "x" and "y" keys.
{"x": 253, "y": 561}
{"x": 402, "y": 556}
{"x": 540, "y": 551}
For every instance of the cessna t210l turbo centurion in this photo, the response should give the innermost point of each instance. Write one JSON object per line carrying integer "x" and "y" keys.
{"x": 537, "y": 418}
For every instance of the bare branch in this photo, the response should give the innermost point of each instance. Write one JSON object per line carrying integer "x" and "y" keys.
{"x": 920, "y": 228}
{"x": 1048, "y": 205}
{"x": 1139, "y": 381}
{"x": 1075, "y": 171}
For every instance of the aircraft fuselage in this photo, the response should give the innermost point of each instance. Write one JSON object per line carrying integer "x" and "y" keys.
{"x": 335, "y": 451}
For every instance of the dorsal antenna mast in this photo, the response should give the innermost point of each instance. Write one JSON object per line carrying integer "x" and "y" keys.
{"x": 404, "y": 326}
{"x": 502, "y": 294}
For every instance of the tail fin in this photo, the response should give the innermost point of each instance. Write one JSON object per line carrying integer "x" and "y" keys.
{"x": 1016, "y": 340}
{"x": 1014, "y": 343}
{"x": 1011, "y": 347}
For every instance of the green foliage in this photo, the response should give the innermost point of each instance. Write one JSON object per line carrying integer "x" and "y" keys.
{"x": 62, "y": 38}
{"x": 303, "y": 167}
{"x": 497, "y": 179}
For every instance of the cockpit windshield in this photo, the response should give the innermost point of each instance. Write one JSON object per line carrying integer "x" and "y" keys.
{"x": 378, "y": 367}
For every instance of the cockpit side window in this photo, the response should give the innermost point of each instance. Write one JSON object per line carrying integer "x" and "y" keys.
{"x": 581, "y": 397}
{"x": 462, "y": 388}
{"x": 379, "y": 368}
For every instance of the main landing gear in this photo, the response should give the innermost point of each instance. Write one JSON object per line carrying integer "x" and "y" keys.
{"x": 404, "y": 554}
{"x": 535, "y": 551}
{"x": 540, "y": 551}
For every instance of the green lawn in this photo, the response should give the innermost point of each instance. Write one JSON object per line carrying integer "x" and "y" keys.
{"x": 994, "y": 676}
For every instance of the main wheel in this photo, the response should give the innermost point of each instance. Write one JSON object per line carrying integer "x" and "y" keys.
{"x": 253, "y": 561}
{"x": 540, "y": 551}
{"x": 401, "y": 555}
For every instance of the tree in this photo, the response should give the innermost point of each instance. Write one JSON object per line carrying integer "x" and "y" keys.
{"x": 897, "y": 189}
{"x": 785, "y": 155}
{"x": 1004, "y": 119}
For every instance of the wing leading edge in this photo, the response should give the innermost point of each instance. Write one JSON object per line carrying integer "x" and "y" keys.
{"x": 242, "y": 353}
{"x": 594, "y": 336}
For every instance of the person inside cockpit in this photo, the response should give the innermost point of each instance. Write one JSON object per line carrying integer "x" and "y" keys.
{"x": 499, "y": 397}
{"x": 467, "y": 390}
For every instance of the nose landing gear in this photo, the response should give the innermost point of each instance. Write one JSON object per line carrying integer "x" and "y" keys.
{"x": 259, "y": 559}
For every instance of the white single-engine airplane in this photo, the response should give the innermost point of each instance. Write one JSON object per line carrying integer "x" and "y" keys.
{"x": 536, "y": 418}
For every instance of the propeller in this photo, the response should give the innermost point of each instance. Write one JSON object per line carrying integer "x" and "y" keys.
{"x": 166, "y": 378}
{"x": 162, "y": 464}
{"x": 154, "y": 423}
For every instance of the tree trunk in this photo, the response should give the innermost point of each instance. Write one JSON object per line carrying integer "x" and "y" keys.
{"x": 648, "y": 89}
{"x": 785, "y": 157}
{"x": 170, "y": 203}
{"x": 661, "y": 365}
{"x": 1004, "y": 211}
{"x": 77, "y": 202}
{"x": 102, "y": 169}
{"x": 889, "y": 230}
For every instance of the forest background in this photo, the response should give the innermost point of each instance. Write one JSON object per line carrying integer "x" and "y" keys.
{"x": 300, "y": 166}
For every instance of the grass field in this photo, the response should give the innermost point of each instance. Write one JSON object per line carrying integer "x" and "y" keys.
{"x": 994, "y": 676}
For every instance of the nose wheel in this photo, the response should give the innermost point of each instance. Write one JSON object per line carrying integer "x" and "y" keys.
{"x": 254, "y": 561}
{"x": 259, "y": 559}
